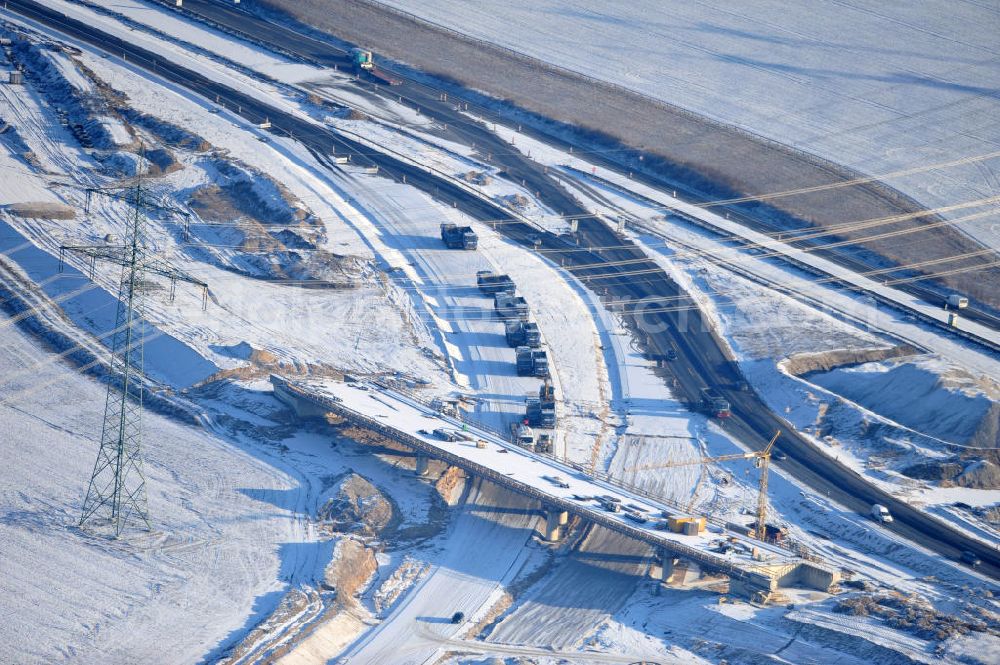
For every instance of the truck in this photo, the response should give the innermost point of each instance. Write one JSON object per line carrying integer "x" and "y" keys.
{"x": 459, "y": 237}
{"x": 492, "y": 283}
{"x": 523, "y": 333}
{"x": 955, "y": 301}
{"x": 543, "y": 444}
{"x": 540, "y": 364}
{"x": 713, "y": 403}
{"x": 524, "y": 436}
{"x": 881, "y": 514}
{"x": 524, "y": 361}
{"x": 509, "y": 305}
{"x": 362, "y": 60}
{"x": 532, "y": 335}
{"x": 610, "y": 504}
{"x": 638, "y": 518}
{"x": 448, "y": 434}
{"x": 538, "y": 414}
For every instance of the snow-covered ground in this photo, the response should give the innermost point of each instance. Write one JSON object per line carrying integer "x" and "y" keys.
{"x": 880, "y": 88}
{"x": 215, "y": 546}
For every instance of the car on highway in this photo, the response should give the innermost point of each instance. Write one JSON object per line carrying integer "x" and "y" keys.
{"x": 881, "y": 514}
{"x": 969, "y": 557}
{"x": 558, "y": 481}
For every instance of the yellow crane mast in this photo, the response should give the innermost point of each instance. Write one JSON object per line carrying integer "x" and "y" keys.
{"x": 762, "y": 460}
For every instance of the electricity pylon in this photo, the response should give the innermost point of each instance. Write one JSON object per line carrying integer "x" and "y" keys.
{"x": 116, "y": 494}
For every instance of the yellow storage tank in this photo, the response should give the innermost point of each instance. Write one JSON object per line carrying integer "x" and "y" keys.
{"x": 676, "y": 523}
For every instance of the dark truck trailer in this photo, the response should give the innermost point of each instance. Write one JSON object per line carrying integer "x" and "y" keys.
{"x": 540, "y": 364}
{"x": 510, "y": 306}
{"x": 459, "y": 237}
{"x": 524, "y": 361}
{"x": 537, "y": 414}
{"x": 713, "y": 403}
{"x": 523, "y": 333}
{"x": 492, "y": 283}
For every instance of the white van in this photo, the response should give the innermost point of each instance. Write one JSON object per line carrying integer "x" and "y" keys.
{"x": 881, "y": 514}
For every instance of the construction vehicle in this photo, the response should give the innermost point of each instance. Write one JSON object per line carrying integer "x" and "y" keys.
{"x": 638, "y": 518}
{"x": 543, "y": 444}
{"x": 610, "y": 504}
{"x": 362, "y": 60}
{"x": 492, "y": 283}
{"x": 523, "y": 435}
{"x": 525, "y": 363}
{"x": 541, "y": 411}
{"x": 540, "y": 364}
{"x": 537, "y": 414}
{"x": 523, "y": 333}
{"x": 713, "y": 403}
{"x": 547, "y": 395}
{"x": 509, "y": 305}
{"x": 448, "y": 434}
{"x": 459, "y": 237}
{"x": 762, "y": 460}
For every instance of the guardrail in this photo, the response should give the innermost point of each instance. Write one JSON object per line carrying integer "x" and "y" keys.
{"x": 705, "y": 559}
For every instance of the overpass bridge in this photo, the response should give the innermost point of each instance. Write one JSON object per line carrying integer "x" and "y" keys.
{"x": 561, "y": 488}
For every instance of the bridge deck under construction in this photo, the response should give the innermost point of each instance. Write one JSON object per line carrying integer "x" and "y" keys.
{"x": 407, "y": 421}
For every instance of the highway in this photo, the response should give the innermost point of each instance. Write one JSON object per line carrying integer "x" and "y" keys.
{"x": 702, "y": 360}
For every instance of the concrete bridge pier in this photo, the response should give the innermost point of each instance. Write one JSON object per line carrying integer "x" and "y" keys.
{"x": 555, "y": 520}
{"x": 663, "y": 566}
{"x": 423, "y": 461}
{"x": 672, "y": 570}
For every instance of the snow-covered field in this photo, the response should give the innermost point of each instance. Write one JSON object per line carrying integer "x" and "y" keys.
{"x": 878, "y": 87}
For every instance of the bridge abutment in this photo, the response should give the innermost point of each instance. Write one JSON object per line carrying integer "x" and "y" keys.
{"x": 423, "y": 462}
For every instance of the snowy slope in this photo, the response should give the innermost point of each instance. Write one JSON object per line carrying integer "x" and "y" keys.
{"x": 70, "y": 597}
{"x": 879, "y": 87}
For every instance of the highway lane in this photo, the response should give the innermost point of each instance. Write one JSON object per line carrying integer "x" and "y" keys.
{"x": 702, "y": 359}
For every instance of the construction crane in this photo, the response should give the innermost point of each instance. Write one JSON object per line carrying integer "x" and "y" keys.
{"x": 762, "y": 460}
